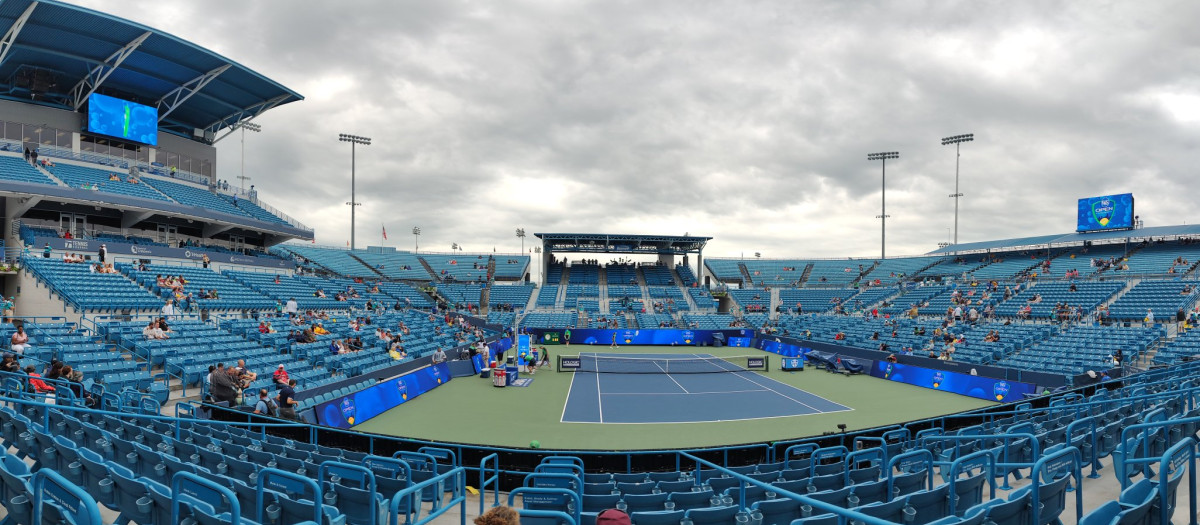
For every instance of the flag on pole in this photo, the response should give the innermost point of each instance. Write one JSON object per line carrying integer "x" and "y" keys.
{"x": 384, "y": 232}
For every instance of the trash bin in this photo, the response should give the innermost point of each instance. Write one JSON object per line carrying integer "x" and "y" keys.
{"x": 512, "y": 373}
{"x": 498, "y": 377}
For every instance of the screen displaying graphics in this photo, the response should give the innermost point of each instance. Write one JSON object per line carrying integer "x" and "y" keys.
{"x": 666, "y": 337}
{"x": 1109, "y": 212}
{"x": 782, "y": 348}
{"x": 998, "y": 390}
{"x": 122, "y": 119}
{"x": 357, "y": 407}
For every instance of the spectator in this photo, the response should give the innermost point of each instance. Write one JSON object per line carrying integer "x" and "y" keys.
{"x": 103, "y": 252}
{"x": 20, "y": 340}
{"x": 78, "y": 389}
{"x": 246, "y": 375}
{"x": 439, "y": 356}
{"x": 280, "y": 376}
{"x": 46, "y": 251}
{"x": 291, "y": 308}
{"x": 10, "y": 364}
{"x": 508, "y": 516}
{"x": 265, "y": 406}
{"x": 35, "y": 382}
{"x": 224, "y": 385}
{"x": 612, "y": 517}
{"x": 168, "y": 308}
{"x": 10, "y": 305}
{"x": 287, "y": 400}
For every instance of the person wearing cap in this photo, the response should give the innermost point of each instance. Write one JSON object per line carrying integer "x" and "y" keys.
{"x": 103, "y": 252}
{"x": 10, "y": 364}
{"x": 612, "y": 517}
{"x": 280, "y": 376}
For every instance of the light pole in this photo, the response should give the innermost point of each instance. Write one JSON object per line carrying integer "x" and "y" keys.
{"x": 957, "y": 140}
{"x": 354, "y": 140}
{"x": 521, "y": 235}
{"x": 416, "y": 237}
{"x": 537, "y": 250}
{"x": 883, "y": 156}
{"x": 246, "y": 126}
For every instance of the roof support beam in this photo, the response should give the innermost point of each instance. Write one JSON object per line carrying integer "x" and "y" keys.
{"x": 245, "y": 115}
{"x": 100, "y": 73}
{"x": 130, "y": 218}
{"x": 10, "y": 36}
{"x": 179, "y": 95}
{"x": 211, "y": 229}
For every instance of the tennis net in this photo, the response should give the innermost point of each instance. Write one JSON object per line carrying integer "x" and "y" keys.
{"x": 604, "y": 364}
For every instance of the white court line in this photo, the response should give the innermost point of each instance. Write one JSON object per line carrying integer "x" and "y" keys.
{"x": 567, "y": 401}
{"x": 599, "y": 398}
{"x": 681, "y": 393}
{"x": 672, "y": 378}
{"x": 794, "y": 399}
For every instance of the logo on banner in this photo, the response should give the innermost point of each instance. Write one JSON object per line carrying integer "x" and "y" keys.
{"x": 403, "y": 389}
{"x": 1103, "y": 211}
{"x": 436, "y": 374}
{"x": 76, "y": 245}
{"x": 887, "y": 372}
{"x": 139, "y": 251}
{"x": 1000, "y": 389}
{"x": 938, "y": 377}
{"x": 347, "y": 406}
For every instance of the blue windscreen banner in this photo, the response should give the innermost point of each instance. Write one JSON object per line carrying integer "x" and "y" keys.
{"x": 122, "y": 119}
{"x": 980, "y": 387}
{"x": 739, "y": 342}
{"x": 782, "y": 348}
{"x": 656, "y": 336}
{"x": 1108, "y": 212}
{"x": 358, "y": 407}
{"x": 524, "y": 342}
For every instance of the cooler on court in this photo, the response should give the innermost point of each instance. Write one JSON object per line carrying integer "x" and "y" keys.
{"x": 498, "y": 377}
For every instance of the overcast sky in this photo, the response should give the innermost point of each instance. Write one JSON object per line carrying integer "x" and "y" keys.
{"x": 745, "y": 121}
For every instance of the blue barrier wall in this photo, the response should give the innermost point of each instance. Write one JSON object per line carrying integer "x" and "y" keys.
{"x": 358, "y": 407}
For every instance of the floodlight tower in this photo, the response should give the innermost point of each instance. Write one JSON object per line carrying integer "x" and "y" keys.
{"x": 883, "y": 156}
{"x": 246, "y": 126}
{"x": 354, "y": 140}
{"x": 957, "y": 140}
{"x": 416, "y": 238}
{"x": 521, "y": 235}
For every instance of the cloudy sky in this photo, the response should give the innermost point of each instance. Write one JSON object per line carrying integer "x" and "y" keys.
{"x": 742, "y": 120}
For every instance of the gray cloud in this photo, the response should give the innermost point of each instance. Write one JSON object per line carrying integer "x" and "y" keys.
{"x": 746, "y": 121}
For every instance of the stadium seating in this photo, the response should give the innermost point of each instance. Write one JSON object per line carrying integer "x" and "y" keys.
{"x": 515, "y": 295}
{"x": 549, "y": 320}
{"x": 1165, "y": 298}
{"x": 17, "y": 169}
{"x": 254, "y": 210}
{"x": 463, "y": 268}
{"x": 814, "y": 300}
{"x": 547, "y": 296}
{"x": 395, "y": 265}
{"x": 195, "y": 196}
{"x": 341, "y": 262}
{"x": 284, "y": 287}
{"x": 231, "y": 295}
{"x": 85, "y": 289}
{"x": 80, "y": 176}
{"x": 656, "y": 275}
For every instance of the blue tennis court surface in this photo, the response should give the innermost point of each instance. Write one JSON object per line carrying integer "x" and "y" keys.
{"x": 684, "y": 397}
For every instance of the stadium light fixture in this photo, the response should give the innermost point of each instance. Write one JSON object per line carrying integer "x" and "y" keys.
{"x": 957, "y": 140}
{"x": 354, "y": 140}
{"x": 521, "y": 235}
{"x": 246, "y": 126}
{"x": 416, "y": 235}
{"x": 883, "y": 156}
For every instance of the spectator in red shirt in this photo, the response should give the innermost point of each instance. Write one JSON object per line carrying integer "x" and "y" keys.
{"x": 35, "y": 381}
{"x": 280, "y": 376}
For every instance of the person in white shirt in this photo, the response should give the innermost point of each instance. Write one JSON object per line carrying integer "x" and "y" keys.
{"x": 168, "y": 308}
{"x": 291, "y": 308}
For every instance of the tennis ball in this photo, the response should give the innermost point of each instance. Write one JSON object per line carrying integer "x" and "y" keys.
{"x": 535, "y": 444}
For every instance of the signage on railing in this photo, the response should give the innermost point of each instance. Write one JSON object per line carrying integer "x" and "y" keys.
{"x": 117, "y": 249}
{"x": 954, "y": 382}
{"x": 358, "y": 407}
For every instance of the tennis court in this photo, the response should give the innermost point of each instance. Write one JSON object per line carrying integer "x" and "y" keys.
{"x": 681, "y": 388}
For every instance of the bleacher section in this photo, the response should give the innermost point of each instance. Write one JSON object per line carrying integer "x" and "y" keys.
{"x": 83, "y": 177}
{"x": 1159, "y": 259}
{"x": 813, "y": 301}
{"x": 287, "y": 287}
{"x": 621, "y": 274}
{"x": 657, "y": 276}
{"x": 1088, "y": 295}
{"x": 584, "y": 274}
{"x": 464, "y": 294}
{"x": 255, "y": 210}
{"x": 395, "y": 265}
{"x": 84, "y": 289}
{"x": 193, "y": 196}
{"x": 1165, "y": 298}
{"x": 547, "y": 296}
{"x": 1083, "y": 348}
{"x": 17, "y": 169}
{"x": 836, "y": 272}
{"x": 231, "y": 295}
{"x": 338, "y": 261}
{"x": 703, "y": 298}
{"x": 549, "y": 320}
{"x": 514, "y": 295}
{"x": 891, "y": 271}
{"x": 686, "y": 275}
{"x": 462, "y": 268}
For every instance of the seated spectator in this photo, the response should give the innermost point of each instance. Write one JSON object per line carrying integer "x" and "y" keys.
{"x": 36, "y": 385}
{"x": 20, "y": 340}
{"x": 280, "y": 376}
{"x": 265, "y": 405}
{"x": 245, "y": 373}
{"x": 320, "y": 330}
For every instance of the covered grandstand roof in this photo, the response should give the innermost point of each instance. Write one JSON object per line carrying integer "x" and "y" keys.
{"x": 620, "y": 243}
{"x": 1184, "y": 230}
{"x": 57, "y": 54}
